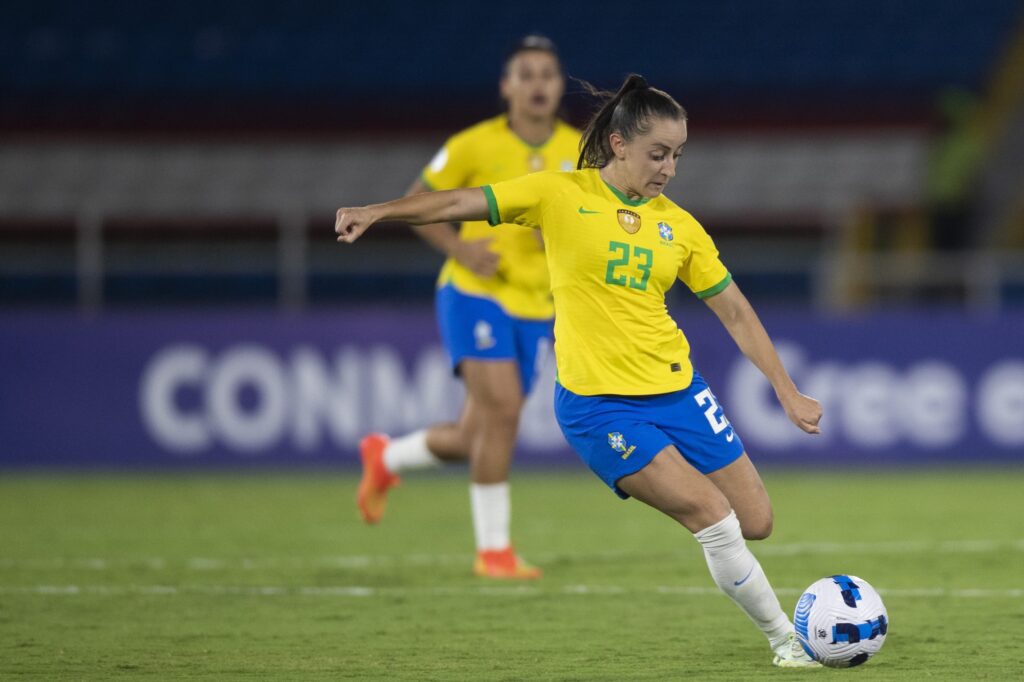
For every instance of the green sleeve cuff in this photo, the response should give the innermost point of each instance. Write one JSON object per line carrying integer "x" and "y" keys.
{"x": 493, "y": 217}
{"x": 426, "y": 183}
{"x": 717, "y": 289}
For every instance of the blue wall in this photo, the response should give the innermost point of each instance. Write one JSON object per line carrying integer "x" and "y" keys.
{"x": 420, "y": 47}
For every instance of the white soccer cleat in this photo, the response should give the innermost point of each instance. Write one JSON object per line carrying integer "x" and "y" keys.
{"x": 790, "y": 654}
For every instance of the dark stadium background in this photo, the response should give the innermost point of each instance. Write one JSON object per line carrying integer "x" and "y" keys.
{"x": 171, "y": 295}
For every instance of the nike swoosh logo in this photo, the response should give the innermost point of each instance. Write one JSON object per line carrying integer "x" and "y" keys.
{"x": 730, "y": 436}
{"x": 740, "y": 582}
{"x": 584, "y": 211}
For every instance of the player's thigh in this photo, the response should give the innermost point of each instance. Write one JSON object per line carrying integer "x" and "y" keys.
{"x": 496, "y": 400}
{"x": 469, "y": 418}
{"x": 493, "y": 388}
{"x": 474, "y": 413}
{"x": 742, "y": 486}
{"x": 674, "y": 487}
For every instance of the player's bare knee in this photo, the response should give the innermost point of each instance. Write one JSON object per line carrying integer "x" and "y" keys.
{"x": 504, "y": 411}
{"x": 699, "y": 514}
{"x": 758, "y": 528}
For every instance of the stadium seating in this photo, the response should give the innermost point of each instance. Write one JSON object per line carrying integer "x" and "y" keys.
{"x": 217, "y": 114}
{"x": 264, "y": 54}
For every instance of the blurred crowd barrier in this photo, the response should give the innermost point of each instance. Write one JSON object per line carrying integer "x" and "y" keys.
{"x": 805, "y": 217}
{"x": 92, "y": 224}
{"x": 266, "y": 389}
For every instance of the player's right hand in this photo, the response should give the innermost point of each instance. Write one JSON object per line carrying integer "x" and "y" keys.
{"x": 476, "y": 255}
{"x": 803, "y": 410}
{"x": 350, "y": 223}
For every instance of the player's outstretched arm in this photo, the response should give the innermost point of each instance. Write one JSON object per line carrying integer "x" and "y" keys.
{"x": 474, "y": 254}
{"x": 419, "y": 209}
{"x": 739, "y": 318}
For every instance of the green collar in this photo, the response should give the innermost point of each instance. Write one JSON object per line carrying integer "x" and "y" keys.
{"x": 622, "y": 197}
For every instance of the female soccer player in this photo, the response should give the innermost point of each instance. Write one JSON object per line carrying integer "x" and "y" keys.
{"x": 628, "y": 400}
{"x": 493, "y": 303}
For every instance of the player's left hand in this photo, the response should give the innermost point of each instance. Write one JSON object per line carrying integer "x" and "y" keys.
{"x": 802, "y": 410}
{"x": 350, "y": 223}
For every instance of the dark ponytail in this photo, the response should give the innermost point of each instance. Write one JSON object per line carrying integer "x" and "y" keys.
{"x": 628, "y": 112}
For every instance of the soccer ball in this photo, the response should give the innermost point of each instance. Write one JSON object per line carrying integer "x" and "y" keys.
{"x": 841, "y": 621}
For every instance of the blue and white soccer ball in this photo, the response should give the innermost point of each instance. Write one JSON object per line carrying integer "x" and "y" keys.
{"x": 841, "y": 621}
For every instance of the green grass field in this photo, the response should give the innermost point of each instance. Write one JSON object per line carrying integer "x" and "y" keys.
{"x": 229, "y": 577}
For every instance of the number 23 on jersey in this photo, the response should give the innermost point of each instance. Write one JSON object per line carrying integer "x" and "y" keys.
{"x": 640, "y": 258}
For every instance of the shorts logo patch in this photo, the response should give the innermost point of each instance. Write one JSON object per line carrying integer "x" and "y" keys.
{"x": 665, "y": 230}
{"x": 484, "y": 335}
{"x": 618, "y": 444}
{"x": 629, "y": 221}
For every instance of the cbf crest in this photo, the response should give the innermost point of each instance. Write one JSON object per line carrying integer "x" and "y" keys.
{"x": 618, "y": 443}
{"x": 629, "y": 221}
{"x": 665, "y": 230}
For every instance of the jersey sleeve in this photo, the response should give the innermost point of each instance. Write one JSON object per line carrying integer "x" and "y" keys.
{"x": 520, "y": 201}
{"x": 451, "y": 167}
{"x": 702, "y": 271}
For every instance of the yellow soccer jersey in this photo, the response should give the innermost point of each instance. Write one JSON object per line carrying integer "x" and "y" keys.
{"x": 612, "y": 260}
{"x": 490, "y": 152}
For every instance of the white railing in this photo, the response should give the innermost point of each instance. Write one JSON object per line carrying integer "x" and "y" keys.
{"x": 849, "y": 281}
{"x": 841, "y": 281}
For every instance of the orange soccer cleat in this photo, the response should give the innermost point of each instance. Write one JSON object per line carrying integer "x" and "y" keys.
{"x": 372, "y": 495}
{"x": 503, "y": 564}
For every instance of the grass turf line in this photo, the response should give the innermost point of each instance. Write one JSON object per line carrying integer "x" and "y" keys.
{"x": 216, "y": 542}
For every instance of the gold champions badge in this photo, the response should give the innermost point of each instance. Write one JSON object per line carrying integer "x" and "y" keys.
{"x": 629, "y": 221}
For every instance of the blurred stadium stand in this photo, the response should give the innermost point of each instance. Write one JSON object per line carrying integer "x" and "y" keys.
{"x": 193, "y": 153}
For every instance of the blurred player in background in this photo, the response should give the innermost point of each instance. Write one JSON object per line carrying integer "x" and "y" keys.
{"x": 494, "y": 306}
{"x": 627, "y": 397}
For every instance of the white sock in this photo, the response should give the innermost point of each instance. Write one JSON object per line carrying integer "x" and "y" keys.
{"x": 491, "y": 515}
{"x": 409, "y": 452}
{"x": 731, "y": 562}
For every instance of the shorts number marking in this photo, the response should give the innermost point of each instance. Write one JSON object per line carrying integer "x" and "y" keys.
{"x": 718, "y": 424}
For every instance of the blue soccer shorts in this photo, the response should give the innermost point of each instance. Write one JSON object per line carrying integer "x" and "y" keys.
{"x": 477, "y": 328}
{"x": 619, "y": 435}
